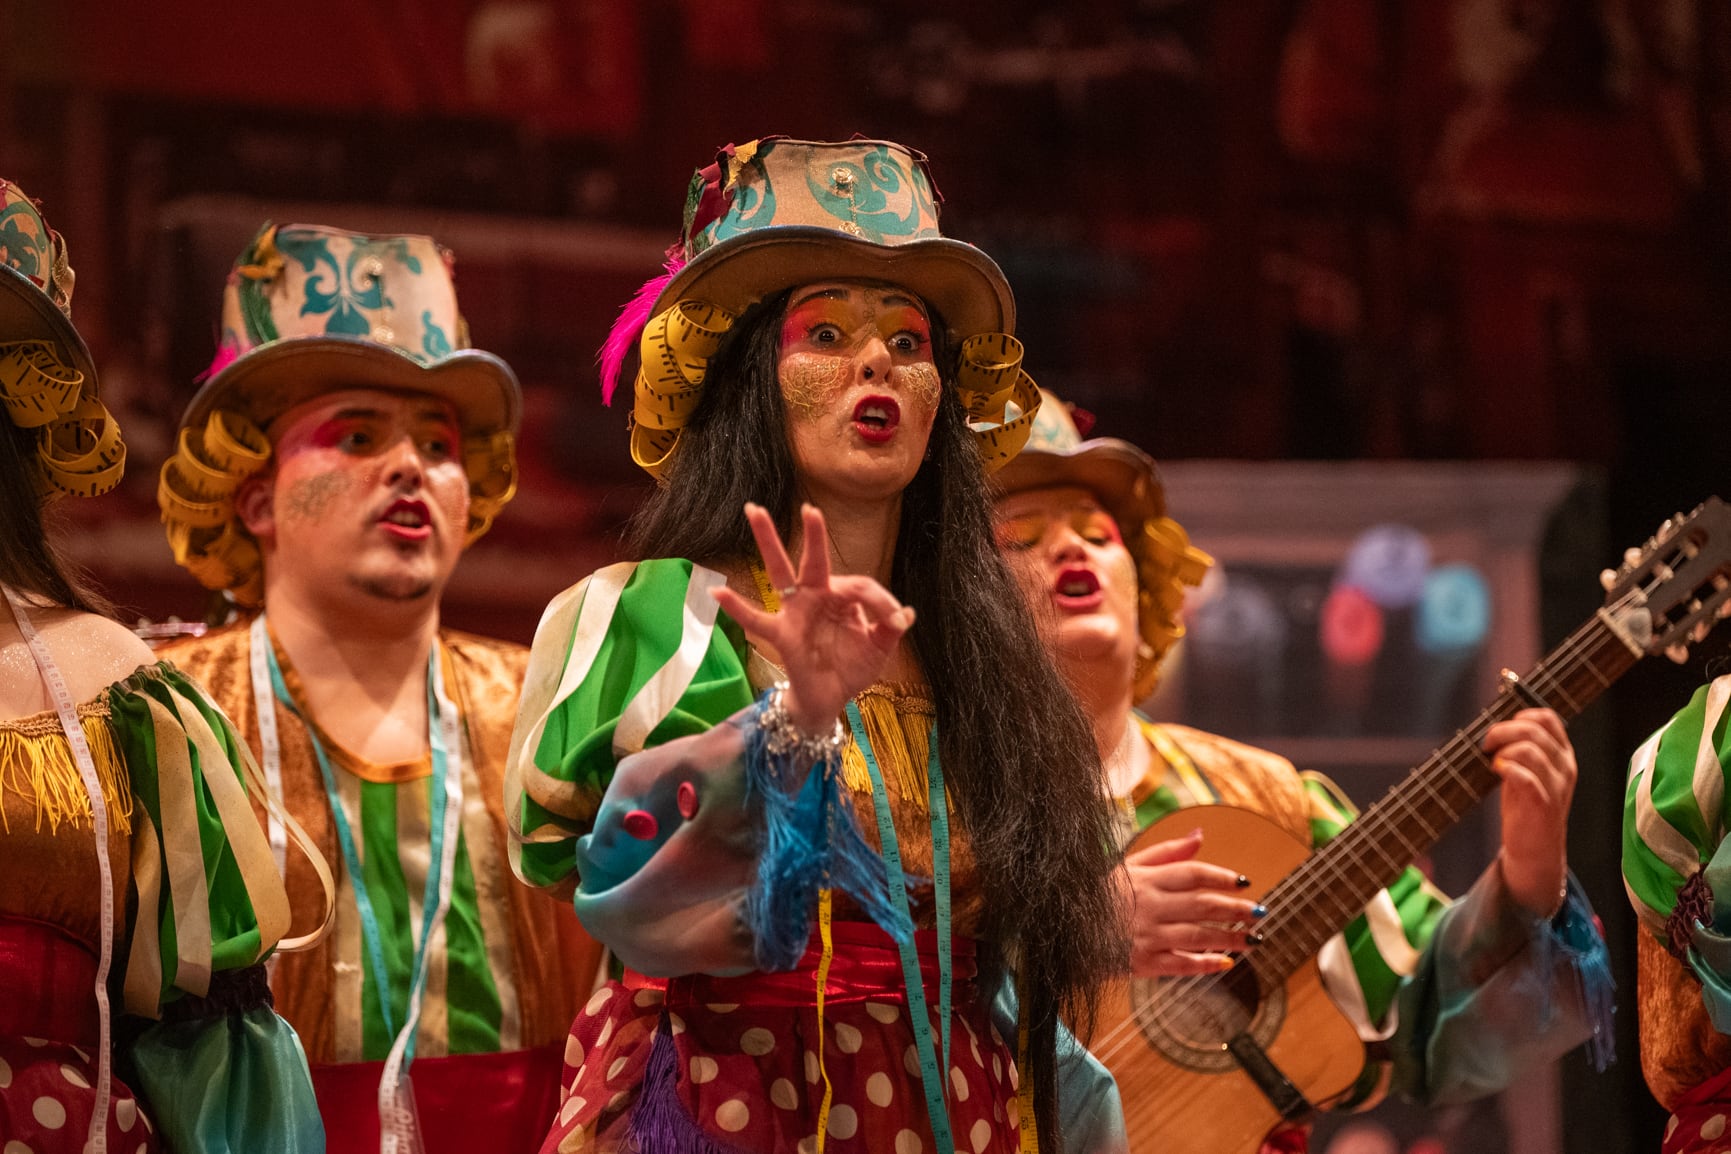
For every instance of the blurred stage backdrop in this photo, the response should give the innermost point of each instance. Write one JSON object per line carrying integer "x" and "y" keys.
{"x": 1240, "y": 231}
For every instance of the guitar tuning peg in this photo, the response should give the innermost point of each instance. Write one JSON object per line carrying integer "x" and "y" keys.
{"x": 1723, "y": 611}
{"x": 1632, "y": 557}
{"x": 1699, "y": 633}
{"x": 1677, "y": 653}
{"x": 1608, "y": 580}
{"x": 1720, "y": 581}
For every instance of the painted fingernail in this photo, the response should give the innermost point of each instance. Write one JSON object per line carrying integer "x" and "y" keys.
{"x": 1241, "y": 882}
{"x": 1225, "y": 964}
{"x": 1253, "y": 938}
{"x": 1258, "y": 910}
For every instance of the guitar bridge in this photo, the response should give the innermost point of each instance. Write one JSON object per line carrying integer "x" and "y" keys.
{"x": 1288, "y": 1099}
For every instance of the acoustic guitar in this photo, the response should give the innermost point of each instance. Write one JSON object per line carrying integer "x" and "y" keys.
{"x": 1216, "y": 1063}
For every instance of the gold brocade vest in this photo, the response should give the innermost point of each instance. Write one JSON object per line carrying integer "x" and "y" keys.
{"x": 1241, "y": 775}
{"x": 553, "y": 960}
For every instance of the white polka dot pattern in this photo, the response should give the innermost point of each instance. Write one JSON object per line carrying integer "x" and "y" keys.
{"x": 843, "y": 1122}
{"x": 49, "y": 1113}
{"x": 733, "y": 1115}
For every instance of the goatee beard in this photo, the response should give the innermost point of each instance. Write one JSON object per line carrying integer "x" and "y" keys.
{"x": 388, "y": 590}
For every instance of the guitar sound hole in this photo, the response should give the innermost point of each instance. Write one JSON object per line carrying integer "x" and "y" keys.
{"x": 1190, "y": 1020}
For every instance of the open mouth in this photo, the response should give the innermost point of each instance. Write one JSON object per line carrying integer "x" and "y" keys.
{"x": 1077, "y": 590}
{"x": 875, "y": 418}
{"x": 407, "y": 520}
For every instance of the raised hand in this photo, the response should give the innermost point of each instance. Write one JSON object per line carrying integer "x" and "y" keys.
{"x": 1532, "y": 754}
{"x": 834, "y": 633}
{"x": 1181, "y": 911}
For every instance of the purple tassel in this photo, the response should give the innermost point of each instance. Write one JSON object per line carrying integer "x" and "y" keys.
{"x": 659, "y": 1122}
{"x": 633, "y": 318}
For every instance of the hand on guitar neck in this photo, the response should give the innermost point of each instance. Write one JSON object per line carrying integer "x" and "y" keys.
{"x": 1532, "y": 754}
{"x": 1190, "y": 919}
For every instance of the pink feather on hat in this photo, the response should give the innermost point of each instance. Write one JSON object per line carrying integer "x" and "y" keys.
{"x": 624, "y": 334}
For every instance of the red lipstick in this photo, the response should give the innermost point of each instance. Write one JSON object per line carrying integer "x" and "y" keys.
{"x": 407, "y": 520}
{"x": 876, "y": 418}
{"x": 1077, "y": 590}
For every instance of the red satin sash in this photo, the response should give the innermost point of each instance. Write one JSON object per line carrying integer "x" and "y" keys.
{"x": 866, "y": 965}
{"x": 467, "y": 1102}
{"x": 46, "y": 981}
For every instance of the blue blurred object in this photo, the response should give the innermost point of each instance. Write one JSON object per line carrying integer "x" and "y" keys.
{"x": 1389, "y": 563}
{"x": 1454, "y": 612}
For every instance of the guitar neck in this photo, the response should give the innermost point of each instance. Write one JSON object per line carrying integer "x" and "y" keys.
{"x": 1323, "y": 895}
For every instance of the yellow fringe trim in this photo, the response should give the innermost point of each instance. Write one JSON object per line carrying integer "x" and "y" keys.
{"x": 900, "y": 738}
{"x": 36, "y": 763}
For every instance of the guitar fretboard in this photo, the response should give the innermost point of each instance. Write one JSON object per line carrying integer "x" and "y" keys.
{"x": 1322, "y": 896}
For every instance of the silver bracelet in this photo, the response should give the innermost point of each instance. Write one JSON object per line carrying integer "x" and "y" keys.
{"x": 783, "y": 738}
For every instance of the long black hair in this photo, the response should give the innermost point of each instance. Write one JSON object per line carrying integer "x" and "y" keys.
{"x": 1017, "y": 751}
{"x": 29, "y": 561}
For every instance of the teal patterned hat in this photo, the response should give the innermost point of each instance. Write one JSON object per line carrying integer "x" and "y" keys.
{"x": 776, "y": 213}
{"x": 309, "y": 309}
{"x": 36, "y": 282}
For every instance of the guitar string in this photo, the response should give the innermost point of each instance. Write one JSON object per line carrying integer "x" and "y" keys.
{"x": 1582, "y": 642}
{"x": 1575, "y": 653}
{"x": 1392, "y": 818}
{"x": 1580, "y": 646}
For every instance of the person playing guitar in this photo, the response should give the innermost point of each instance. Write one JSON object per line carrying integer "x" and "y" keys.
{"x": 1451, "y": 999}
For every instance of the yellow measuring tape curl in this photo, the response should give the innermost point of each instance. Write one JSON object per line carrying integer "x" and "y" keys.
{"x": 78, "y": 446}
{"x": 988, "y": 379}
{"x": 674, "y": 350}
{"x": 196, "y": 495}
{"x": 1166, "y": 562}
{"x": 490, "y": 462}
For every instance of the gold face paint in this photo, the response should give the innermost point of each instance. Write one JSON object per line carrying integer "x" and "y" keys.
{"x": 918, "y": 382}
{"x": 810, "y": 382}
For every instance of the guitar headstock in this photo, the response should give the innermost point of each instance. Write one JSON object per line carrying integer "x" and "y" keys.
{"x": 1672, "y": 590}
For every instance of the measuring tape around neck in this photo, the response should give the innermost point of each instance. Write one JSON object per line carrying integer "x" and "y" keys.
{"x": 398, "y": 1124}
{"x": 74, "y": 730}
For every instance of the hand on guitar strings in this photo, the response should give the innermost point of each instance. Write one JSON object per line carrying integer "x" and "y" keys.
{"x": 834, "y": 633}
{"x": 1181, "y": 911}
{"x": 1532, "y": 754}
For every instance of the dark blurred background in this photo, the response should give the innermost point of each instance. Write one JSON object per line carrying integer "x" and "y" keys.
{"x": 1251, "y": 230}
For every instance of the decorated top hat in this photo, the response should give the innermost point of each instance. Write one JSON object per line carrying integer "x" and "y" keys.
{"x": 308, "y": 310}
{"x": 47, "y": 379}
{"x": 1127, "y": 484}
{"x": 775, "y": 213}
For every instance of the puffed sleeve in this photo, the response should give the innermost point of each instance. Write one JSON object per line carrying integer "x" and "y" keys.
{"x": 635, "y": 655}
{"x": 1676, "y": 868}
{"x": 641, "y": 783}
{"x": 219, "y": 1070}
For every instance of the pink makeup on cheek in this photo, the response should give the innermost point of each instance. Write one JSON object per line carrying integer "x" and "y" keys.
{"x": 919, "y": 382}
{"x": 811, "y": 381}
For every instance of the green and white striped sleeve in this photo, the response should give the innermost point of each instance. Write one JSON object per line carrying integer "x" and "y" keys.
{"x": 1675, "y": 865}
{"x": 635, "y": 655}
{"x": 1364, "y": 967}
{"x": 1674, "y": 807}
{"x": 1456, "y": 999}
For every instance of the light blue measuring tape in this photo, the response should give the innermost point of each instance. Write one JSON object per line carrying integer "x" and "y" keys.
{"x": 933, "y": 1078}
{"x": 399, "y": 1127}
